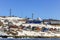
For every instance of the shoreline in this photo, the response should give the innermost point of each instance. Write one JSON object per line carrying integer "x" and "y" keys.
{"x": 29, "y": 37}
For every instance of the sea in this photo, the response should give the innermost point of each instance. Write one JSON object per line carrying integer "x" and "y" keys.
{"x": 29, "y": 38}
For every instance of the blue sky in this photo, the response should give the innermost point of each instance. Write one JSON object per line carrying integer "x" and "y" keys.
{"x": 23, "y": 8}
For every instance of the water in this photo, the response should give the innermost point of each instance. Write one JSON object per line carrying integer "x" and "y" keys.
{"x": 29, "y": 38}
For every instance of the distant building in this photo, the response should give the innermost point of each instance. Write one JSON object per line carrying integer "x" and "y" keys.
{"x": 51, "y": 21}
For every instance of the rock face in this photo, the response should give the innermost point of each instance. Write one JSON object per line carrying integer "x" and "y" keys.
{"x": 13, "y": 26}
{"x": 1, "y": 23}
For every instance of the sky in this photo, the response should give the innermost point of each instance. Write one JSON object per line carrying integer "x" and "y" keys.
{"x": 44, "y": 9}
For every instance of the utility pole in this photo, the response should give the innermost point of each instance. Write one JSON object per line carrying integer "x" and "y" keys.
{"x": 10, "y": 12}
{"x": 32, "y": 15}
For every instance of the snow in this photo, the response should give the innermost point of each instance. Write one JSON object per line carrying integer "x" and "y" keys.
{"x": 25, "y": 32}
{"x": 2, "y": 33}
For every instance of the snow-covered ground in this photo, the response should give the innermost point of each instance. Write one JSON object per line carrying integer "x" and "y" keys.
{"x": 14, "y": 21}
